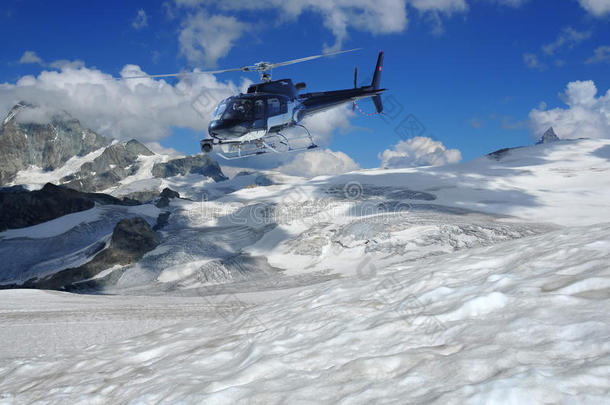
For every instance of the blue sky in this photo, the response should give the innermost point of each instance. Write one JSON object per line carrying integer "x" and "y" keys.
{"x": 470, "y": 72}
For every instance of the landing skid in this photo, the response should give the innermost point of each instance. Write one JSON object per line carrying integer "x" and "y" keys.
{"x": 270, "y": 143}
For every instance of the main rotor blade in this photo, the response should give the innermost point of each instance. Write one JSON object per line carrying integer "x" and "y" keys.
{"x": 290, "y": 62}
{"x": 244, "y": 69}
{"x": 253, "y": 68}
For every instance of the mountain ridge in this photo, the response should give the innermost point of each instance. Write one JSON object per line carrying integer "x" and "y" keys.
{"x": 35, "y": 150}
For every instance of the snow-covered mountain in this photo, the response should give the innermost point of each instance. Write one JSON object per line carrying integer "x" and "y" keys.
{"x": 47, "y": 146}
{"x": 485, "y": 281}
{"x": 38, "y": 150}
{"x": 59, "y": 150}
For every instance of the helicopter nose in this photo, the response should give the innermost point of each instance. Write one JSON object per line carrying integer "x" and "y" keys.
{"x": 222, "y": 129}
{"x": 217, "y": 128}
{"x": 214, "y": 126}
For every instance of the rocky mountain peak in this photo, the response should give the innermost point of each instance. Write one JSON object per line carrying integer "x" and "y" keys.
{"x": 548, "y": 137}
{"x": 45, "y": 145}
{"x": 46, "y": 139}
{"x": 14, "y": 111}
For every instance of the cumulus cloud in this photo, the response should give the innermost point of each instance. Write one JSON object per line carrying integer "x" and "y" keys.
{"x": 587, "y": 115}
{"x": 319, "y": 163}
{"x": 341, "y": 16}
{"x": 146, "y": 109}
{"x": 141, "y": 20}
{"x": 30, "y": 57}
{"x": 380, "y": 17}
{"x": 207, "y": 38}
{"x": 598, "y": 8}
{"x": 418, "y": 151}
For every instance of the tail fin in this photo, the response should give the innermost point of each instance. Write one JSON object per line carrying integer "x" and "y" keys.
{"x": 377, "y": 74}
{"x": 377, "y": 81}
{"x": 378, "y": 104}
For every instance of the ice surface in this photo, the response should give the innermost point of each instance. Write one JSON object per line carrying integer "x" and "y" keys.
{"x": 492, "y": 324}
{"x": 64, "y": 242}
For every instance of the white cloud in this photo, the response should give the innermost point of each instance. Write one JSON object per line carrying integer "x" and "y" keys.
{"x": 418, "y": 151}
{"x": 205, "y": 38}
{"x": 41, "y": 114}
{"x": 379, "y": 17}
{"x": 601, "y": 54}
{"x": 598, "y": 8}
{"x": 341, "y": 16}
{"x": 30, "y": 57}
{"x": 319, "y": 163}
{"x": 444, "y": 6}
{"x": 587, "y": 115}
{"x": 62, "y": 64}
{"x": 162, "y": 150}
{"x": 531, "y": 61}
{"x": 568, "y": 38}
{"x": 146, "y": 109}
{"x": 476, "y": 122}
{"x": 509, "y": 3}
{"x": 141, "y": 20}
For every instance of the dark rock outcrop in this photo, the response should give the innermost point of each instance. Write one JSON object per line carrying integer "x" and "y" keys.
{"x": 499, "y": 154}
{"x": 262, "y": 180}
{"x": 131, "y": 240}
{"x": 45, "y": 145}
{"x": 20, "y": 208}
{"x": 162, "y": 202}
{"x": 198, "y": 164}
{"x": 166, "y": 195}
{"x": 548, "y": 137}
{"x": 169, "y": 193}
{"x": 243, "y": 173}
{"x": 162, "y": 220}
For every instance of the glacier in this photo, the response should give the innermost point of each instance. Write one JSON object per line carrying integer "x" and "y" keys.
{"x": 480, "y": 282}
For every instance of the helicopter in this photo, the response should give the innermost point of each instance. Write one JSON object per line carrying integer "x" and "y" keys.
{"x": 255, "y": 122}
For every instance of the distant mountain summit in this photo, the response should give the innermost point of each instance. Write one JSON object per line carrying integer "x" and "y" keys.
{"x": 34, "y": 145}
{"x": 47, "y": 146}
{"x": 548, "y": 137}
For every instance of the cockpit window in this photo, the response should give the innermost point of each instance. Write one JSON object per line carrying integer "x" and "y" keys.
{"x": 238, "y": 109}
{"x": 219, "y": 110}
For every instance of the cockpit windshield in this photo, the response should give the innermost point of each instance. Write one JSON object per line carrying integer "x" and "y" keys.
{"x": 238, "y": 109}
{"x": 219, "y": 110}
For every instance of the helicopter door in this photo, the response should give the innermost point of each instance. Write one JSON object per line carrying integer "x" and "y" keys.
{"x": 259, "y": 115}
{"x": 276, "y": 112}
